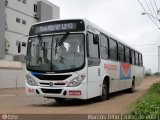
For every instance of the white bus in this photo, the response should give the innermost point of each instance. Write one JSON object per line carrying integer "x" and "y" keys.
{"x": 77, "y": 59}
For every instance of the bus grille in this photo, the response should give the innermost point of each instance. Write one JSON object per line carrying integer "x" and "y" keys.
{"x": 53, "y": 91}
{"x": 52, "y": 77}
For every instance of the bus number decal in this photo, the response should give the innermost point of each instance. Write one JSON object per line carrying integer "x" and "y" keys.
{"x": 125, "y": 71}
{"x": 110, "y": 67}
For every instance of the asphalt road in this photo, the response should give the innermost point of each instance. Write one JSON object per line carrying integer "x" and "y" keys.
{"x": 14, "y": 101}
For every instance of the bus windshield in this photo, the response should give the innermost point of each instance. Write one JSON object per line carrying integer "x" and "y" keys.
{"x": 55, "y": 53}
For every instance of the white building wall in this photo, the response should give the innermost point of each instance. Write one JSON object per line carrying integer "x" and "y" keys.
{"x": 24, "y": 8}
{"x": 17, "y": 31}
{"x": 11, "y": 77}
{"x": 18, "y": 27}
{"x": 12, "y": 74}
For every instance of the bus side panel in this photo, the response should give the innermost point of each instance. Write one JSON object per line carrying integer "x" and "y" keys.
{"x": 94, "y": 85}
{"x": 138, "y": 72}
{"x": 125, "y": 75}
{"x": 110, "y": 69}
{"x": 120, "y": 78}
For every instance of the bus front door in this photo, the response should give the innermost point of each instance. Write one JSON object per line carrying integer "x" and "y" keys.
{"x": 94, "y": 87}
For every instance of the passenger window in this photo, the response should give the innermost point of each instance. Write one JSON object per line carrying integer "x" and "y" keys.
{"x": 104, "y": 46}
{"x": 113, "y": 49}
{"x": 133, "y": 57}
{"x": 127, "y": 54}
{"x": 136, "y": 55}
{"x": 140, "y": 60}
{"x": 121, "y": 52}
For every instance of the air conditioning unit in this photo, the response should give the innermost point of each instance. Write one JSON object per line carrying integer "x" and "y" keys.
{"x": 21, "y": 58}
{"x": 7, "y": 44}
{"x": 6, "y": 2}
{"x": 36, "y": 16}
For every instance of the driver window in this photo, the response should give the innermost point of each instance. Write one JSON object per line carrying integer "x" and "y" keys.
{"x": 93, "y": 48}
{"x": 93, "y": 51}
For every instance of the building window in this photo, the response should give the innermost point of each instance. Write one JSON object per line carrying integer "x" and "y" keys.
{"x": 18, "y": 20}
{"x": 24, "y": 1}
{"x": 23, "y": 22}
{"x": 35, "y": 8}
{"x": 23, "y": 44}
{"x": 18, "y": 43}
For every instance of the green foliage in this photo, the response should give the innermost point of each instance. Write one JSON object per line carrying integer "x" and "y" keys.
{"x": 149, "y": 104}
{"x": 155, "y": 88}
{"x": 157, "y": 74}
{"x": 147, "y": 74}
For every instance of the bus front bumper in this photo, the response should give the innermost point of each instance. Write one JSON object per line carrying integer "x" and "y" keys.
{"x": 79, "y": 92}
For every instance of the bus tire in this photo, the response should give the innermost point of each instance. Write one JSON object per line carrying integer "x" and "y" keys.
{"x": 105, "y": 91}
{"x": 132, "y": 89}
{"x": 60, "y": 100}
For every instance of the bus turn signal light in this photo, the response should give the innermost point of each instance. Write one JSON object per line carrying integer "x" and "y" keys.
{"x": 75, "y": 93}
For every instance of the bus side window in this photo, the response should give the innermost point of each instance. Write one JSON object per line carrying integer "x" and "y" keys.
{"x": 140, "y": 60}
{"x": 121, "y": 52}
{"x": 127, "y": 54}
{"x": 133, "y": 57}
{"x": 113, "y": 49}
{"x": 93, "y": 51}
{"x": 136, "y": 56}
{"x": 104, "y": 47}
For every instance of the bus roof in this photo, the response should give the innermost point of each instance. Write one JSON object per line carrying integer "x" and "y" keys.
{"x": 94, "y": 26}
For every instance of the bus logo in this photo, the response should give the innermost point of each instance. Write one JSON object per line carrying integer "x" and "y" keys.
{"x": 51, "y": 84}
{"x": 125, "y": 71}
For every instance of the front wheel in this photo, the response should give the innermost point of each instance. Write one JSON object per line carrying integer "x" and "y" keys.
{"x": 105, "y": 92}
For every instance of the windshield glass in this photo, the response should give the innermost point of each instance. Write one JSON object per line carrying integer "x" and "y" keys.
{"x": 53, "y": 53}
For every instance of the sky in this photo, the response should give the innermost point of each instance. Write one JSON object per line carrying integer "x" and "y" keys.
{"x": 123, "y": 19}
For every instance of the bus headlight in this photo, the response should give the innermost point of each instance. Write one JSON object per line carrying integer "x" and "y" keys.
{"x": 76, "y": 81}
{"x": 31, "y": 81}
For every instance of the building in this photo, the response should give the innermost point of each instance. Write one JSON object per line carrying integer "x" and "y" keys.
{"x": 16, "y": 18}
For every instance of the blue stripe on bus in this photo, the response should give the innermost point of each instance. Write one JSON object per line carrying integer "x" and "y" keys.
{"x": 36, "y": 73}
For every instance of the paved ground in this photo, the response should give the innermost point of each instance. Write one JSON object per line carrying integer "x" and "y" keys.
{"x": 14, "y": 101}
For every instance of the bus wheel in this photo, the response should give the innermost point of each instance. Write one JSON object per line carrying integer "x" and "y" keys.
{"x": 105, "y": 92}
{"x": 60, "y": 100}
{"x": 132, "y": 89}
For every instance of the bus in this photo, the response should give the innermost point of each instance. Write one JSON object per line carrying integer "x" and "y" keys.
{"x": 75, "y": 59}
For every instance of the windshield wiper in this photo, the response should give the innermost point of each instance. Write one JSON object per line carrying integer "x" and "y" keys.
{"x": 64, "y": 38}
{"x": 61, "y": 41}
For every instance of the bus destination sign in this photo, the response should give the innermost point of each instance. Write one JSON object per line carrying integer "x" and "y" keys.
{"x": 57, "y": 26}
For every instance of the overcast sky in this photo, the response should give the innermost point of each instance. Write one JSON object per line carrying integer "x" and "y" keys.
{"x": 123, "y": 19}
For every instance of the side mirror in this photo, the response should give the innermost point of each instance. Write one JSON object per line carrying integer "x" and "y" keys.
{"x": 96, "y": 39}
